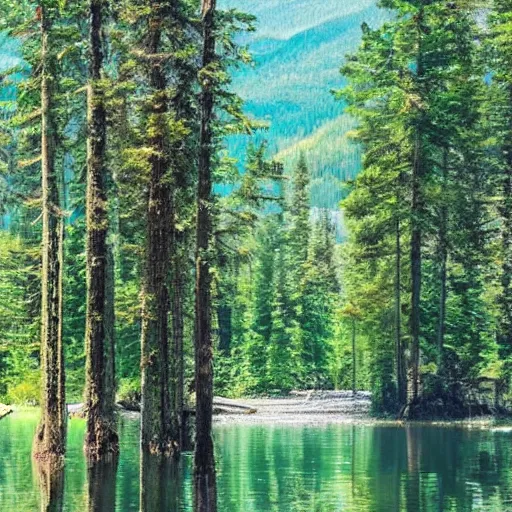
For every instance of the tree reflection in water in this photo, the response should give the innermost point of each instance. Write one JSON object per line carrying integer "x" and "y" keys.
{"x": 101, "y": 486}
{"x": 51, "y": 485}
{"x": 160, "y": 483}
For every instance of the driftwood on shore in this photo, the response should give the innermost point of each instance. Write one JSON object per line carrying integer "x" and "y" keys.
{"x": 220, "y": 406}
{"x": 5, "y": 410}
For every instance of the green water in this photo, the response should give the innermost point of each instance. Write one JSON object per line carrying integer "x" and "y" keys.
{"x": 265, "y": 469}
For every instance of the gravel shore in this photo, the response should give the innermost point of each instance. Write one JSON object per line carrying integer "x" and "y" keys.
{"x": 313, "y": 407}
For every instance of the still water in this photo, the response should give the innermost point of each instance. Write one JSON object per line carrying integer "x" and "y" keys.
{"x": 274, "y": 468}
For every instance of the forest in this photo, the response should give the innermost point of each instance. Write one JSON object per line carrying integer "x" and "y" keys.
{"x": 162, "y": 243}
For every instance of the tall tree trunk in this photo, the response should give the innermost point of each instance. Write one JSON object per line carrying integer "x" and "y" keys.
{"x": 177, "y": 315}
{"x": 101, "y": 439}
{"x": 354, "y": 358}
{"x": 51, "y": 433}
{"x": 204, "y": 461}
{"x": 401, "y": 381}
{"x": 443, "y": 254}
{"x": 157, "y": 434}
{"x": 416, "y": 222}
{"x": 416, "y": 257}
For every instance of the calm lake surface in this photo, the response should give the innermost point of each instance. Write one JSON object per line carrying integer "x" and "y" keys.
{"x": 280, "y": 468}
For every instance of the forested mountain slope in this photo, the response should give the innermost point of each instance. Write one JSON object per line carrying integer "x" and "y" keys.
{"x": 298, "y": 48}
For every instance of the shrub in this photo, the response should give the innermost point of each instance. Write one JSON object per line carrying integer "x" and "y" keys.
{"x": 129, "y": 390}
{"x": 26, "y": 392}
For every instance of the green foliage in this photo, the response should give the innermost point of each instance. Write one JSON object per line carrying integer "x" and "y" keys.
{"x": 426, "y": 113}
{"x": 129, "y": 390}
{"x": 285, "y": 292}
{"x": 26, "y": 391}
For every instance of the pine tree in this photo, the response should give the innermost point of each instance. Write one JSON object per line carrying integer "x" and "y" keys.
{"x": 51, "y": 433}
{"x": 101, "y": 439}
{"x": 156, "y": 434}
{"x": 501, "y": 122}
{"x": 205, "y": 495}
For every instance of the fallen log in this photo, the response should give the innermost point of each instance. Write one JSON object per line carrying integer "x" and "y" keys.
{"x": 5, "y": 410}
{"x": 220, "y": 406}
{"x": 227, "y": 403}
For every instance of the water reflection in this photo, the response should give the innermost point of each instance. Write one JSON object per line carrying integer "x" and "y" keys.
{"x": 275, "y": 469}
{"x": 51, "y": 485}
{"x": 101, "y": 486}
{"x": 160, "y": 483}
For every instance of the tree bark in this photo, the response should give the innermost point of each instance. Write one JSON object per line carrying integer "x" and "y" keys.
{"x": 401, "y": 380}
{"x": 50, "y": 436}
{"x": 157, "y": 434}
{"x": 178, "y": 364}
{"x": 354, "y": 359}
{"x": 443, "y": 253}
{"x": 204, "y": 461}
{"x": 417, "y": 231}
{"x": 101, "y": 439}
{"x": 416, "y": 257}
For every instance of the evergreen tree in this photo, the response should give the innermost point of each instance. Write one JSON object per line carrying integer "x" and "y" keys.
{"x": 51, "y": 434}
{"x": 101, "y": 438}
{"x": 205, "y": 495}
{"x": 501, "y": 125}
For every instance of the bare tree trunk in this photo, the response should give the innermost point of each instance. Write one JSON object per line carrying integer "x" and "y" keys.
{"x": 178, "y": 366}
{"x": 417, "y": 231}
{"x": 354, "y": 358}
{"x": 416, "y": 269}
{"x": 101, "y": 439}
{"x": 50, "y": 436}
{"x": 157, "y": 434}
{"x": 443, "y": 253}
{"x": 401, "y": 379}
{"x": 205, "y": 495}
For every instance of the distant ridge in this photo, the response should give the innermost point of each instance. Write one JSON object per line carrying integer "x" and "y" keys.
{"x": 298, "y": 50}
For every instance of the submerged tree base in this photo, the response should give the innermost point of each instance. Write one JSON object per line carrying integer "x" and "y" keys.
{"x": 48, "y": 447}
{"x": 104, "y": 446}
{"x": 52, "y": 461}
{"x": 452, "y": 403}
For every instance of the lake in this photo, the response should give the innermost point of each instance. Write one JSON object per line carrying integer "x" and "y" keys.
{"x": 350, "y": 468}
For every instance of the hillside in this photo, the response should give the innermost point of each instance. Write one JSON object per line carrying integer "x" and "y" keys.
{"x": 298, "y": 50}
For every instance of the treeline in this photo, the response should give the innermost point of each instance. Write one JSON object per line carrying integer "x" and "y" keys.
{"x": 278, "y": 294}
{"x": 428, "y": 267}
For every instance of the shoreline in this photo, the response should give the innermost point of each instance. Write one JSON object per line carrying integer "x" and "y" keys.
{"x": 309, "y": 408}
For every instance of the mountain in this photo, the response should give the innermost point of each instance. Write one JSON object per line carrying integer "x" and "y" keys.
{"x": 9, "y": 60}
{"x": 298, "y": 50}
